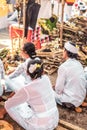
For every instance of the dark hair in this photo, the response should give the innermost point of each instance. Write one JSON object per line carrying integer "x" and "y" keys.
{"x": 38, "y": 71}
{"x": 70, "y": 54}
{"x": 29, "y": 48}
{"x": 83, "y": 11}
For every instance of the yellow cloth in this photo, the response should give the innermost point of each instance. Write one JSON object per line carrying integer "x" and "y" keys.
{"x": 3, "y": 8}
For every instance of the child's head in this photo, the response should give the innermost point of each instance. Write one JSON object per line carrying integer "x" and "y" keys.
{"x": 35, "y": 68}
{"x": 29, "y": 49}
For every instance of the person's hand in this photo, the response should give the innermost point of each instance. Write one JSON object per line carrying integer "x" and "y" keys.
{"x": 12, "y": 94}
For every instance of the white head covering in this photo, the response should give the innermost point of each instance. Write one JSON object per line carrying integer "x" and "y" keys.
{"x": 80, "y": 4}
{"x": 71, "y": 48}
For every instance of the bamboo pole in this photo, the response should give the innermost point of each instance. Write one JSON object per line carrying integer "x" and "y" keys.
{"x": 58, "y": 13}
{"x": 19, "y": 27}
{"x": 61, "y": 26}
{"x": 24, "y": 17}
{"x": 52, "y": 7}
{"x": 58, "y": 8}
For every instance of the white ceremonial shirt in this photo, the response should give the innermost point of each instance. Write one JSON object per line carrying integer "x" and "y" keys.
{"x": 40, "y": 97}
{"x": 71, "y": 82}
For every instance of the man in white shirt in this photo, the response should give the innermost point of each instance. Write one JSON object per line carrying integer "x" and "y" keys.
{"x": 71, "y": 83}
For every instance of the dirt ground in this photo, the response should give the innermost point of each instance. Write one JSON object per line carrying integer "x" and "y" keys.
{"x": 78, "y": 119}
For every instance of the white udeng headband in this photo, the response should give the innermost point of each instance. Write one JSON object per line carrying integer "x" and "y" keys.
{"x": 71, "y": 48}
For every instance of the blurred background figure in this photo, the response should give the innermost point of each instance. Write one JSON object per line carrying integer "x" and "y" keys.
{"x": 83, "y": 11}
{"x": 79, "y": 9}
{"x": 68, "y": 9}
{"x": 11, "y": 1}
{"x": 15, "y": 16}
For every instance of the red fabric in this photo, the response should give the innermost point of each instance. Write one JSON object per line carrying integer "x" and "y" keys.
{"x": 15, "y": 32}
{"x": 33, "y": 35}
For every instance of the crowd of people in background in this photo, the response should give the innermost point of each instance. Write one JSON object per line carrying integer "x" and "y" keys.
{"x": 78, "y": 8}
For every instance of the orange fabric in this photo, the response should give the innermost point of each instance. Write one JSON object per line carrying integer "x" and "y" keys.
{"x": 70, "y": 1}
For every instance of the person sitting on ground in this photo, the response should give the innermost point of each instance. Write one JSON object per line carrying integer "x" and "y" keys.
{"x": 43, "y": 112}
{"x": 70, "y": 84}
{"x": 16, "y": 80}
{"x": 28, "y": 52}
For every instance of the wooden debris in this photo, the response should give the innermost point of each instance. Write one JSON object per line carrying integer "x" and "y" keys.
{"x": 50, "y": 71}
{"x": 69, "y": 126}
{"x": 52, "y": 59}
{"x": 75, "y": 30}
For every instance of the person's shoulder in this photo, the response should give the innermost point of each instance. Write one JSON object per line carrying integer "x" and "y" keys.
{"x": 80, "y": 65}
{"x": 85, "y": 69}
{"x": 78, "y": 62}
{"x": 27, "y": 60}
{"x": 63, "y": 66}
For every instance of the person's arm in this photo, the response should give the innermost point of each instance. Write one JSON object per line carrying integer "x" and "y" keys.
{"x": 17, "y": 71}
{"x": 2, "y": 75}
{"x": 2, "y": 71}
{"x": 19, "y": 97}
{"x": 60, "y": 82}
{"x": 13, "y": 16}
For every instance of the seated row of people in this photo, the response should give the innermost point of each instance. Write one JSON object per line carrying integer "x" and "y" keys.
{"x": 33, "y": 104}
